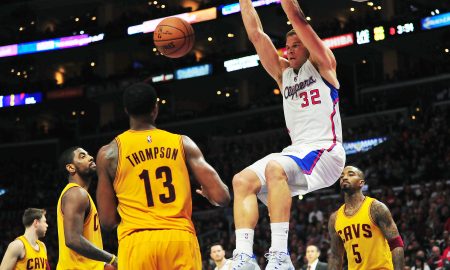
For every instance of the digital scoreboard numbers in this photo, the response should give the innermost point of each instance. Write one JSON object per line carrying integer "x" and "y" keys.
{"x": 380, "y": 33}
{"x": 401, "y": 29}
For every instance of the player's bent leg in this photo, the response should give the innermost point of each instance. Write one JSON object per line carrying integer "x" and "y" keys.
{"x": 246, "y": 185}
{"x": 279, "y": 194}
{"x": 279, "y": 204}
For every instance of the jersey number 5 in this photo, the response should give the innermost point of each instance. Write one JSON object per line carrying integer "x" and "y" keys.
{"x": 356, "y": 253}
{"x": 313, "y": 94}
{"x": 167, "y": 184}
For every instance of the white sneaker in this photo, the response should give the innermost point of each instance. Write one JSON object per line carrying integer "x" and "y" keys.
{"x": 278, "y": 260}
{"x": 243, "y": 261}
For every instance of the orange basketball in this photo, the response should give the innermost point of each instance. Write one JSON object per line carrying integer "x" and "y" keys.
{"x": 174, "y": 37}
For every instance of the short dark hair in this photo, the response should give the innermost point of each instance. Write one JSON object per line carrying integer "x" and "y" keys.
{"x": 313, "y": 245}
{"x": 31, "y": 214}
{"x": 291, "y": 33}
{"x": 360, "y": 173}
{"x": 66, "y": 158}
{"x": 139, "y": 99}
{"x": 215, "y": 244}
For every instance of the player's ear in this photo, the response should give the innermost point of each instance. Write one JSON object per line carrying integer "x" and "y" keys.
{"x": 155, "y": 110}
{"x": 70, "y": 168}
{"x": 126, "y": 111}
{"x": 362, "y": 182}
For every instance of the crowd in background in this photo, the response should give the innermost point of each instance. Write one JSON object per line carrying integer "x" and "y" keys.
{"x": 409, "y": 172}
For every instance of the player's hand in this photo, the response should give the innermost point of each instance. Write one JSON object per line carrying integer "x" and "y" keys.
{"x": 203, "y": 192}
{"x": 110, "y": 267}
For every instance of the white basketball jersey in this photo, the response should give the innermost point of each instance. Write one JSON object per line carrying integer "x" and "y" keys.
{"x": 311, "y": 108}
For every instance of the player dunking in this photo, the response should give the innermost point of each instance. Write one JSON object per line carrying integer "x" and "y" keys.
{"x": 364, "y": 228}
{"x": 144, "y": 184}
{"x": 316, "y": 157}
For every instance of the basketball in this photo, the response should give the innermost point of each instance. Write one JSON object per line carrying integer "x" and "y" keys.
{"x": 174, "y": 37}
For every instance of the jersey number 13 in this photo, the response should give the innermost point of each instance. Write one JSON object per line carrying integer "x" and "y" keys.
{"x": 161, "y": 173}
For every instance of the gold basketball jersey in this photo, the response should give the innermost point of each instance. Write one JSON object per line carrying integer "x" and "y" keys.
{"x": 69, "y": 259}
{"x": 33, "y": 259}
{"x": 152, "y": 182}
{"x": 364, "y": 242}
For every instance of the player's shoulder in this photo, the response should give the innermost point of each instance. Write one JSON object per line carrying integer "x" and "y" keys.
{"x": 109, "y": 150}
{"x": 332, "y": 218}
{"x": 17, "y": 246}
{"x": 378, "y": 205}
{"x": 75, "y": 194}
{"x": 378, "y": 209}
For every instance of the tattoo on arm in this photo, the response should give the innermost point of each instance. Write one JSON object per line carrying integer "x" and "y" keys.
{"x": 337, "y": 247}
{"x": 398, "y": 258}
{"x": 383, "y": 219}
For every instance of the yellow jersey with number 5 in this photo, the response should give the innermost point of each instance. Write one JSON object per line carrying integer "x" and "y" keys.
{"x": 364, "y": 242}
{"x": 152, "y": 182}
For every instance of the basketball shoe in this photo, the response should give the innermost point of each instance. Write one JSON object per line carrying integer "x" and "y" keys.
{"x": 278, "y": 260}
{"x": 243, "y": 261}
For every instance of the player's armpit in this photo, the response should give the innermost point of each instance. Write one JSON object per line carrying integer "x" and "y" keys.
{"x": 335, "y": 259}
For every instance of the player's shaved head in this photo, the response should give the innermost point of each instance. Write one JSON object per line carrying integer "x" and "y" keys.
{"x": 356, "y": 170}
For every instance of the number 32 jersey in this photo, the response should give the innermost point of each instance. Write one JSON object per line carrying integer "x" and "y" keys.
{"x": 311, "y": 108}
{"x": 152, "y": 182}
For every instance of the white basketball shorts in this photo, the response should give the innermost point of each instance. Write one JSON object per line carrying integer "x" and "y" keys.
{"x": 306, "y": 167}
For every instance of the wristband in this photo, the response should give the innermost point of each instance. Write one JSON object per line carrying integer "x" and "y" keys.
{"x": 113, "y": 259}
{"x": 395, "y": 242}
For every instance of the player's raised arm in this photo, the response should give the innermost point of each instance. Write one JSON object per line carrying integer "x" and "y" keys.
{"x": 106, "y": 197}
{"x": 271, "y": 61}
{"x": 337, "y": 247}
{"x": 212, "y": 186}
{"x": 320, "y": 55}
{"x": 383, "y": 219}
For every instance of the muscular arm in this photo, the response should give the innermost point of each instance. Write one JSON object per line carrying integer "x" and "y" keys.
{"x": 271, "y": 61}
{"x": 106, "y": 198}
{"x": 75, "y": 203}
{"x": 212, "y": 186}
{"x": 14, "y": 252}
{"x": 337, "y": 247}
{"x": 383, "y": 219}
{"x": 320, "y": 55}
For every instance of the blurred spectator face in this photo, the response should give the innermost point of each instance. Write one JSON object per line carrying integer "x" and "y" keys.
{"x": 420, "y": 258}
{"x": 312, "y": 253}
{"x": 435, "y": 251}
{"x": 217, "y": 253}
